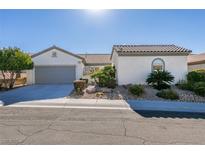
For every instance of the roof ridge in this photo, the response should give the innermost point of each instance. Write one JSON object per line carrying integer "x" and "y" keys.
{"x": 137, "y": 45}
{"x": 94, "y": 54}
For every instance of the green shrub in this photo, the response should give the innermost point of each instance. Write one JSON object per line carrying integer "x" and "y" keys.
{"x": 79, "y": 86}
{"x": 136, "y": 90}
{"x": 184, "y": 85}
{"x": 199, "y": 88}
{"x": 105, "y": 77}
{"x": 196, "y": 76}
{"x": 160, "y": 79}
{"x": 168, "y": 94}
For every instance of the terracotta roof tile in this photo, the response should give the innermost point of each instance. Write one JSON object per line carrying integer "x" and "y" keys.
{"x": 129, "y": 50}
{"x": 96, "y": 59}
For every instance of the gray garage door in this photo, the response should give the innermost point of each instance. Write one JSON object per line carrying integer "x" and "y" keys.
{"x": 54, "y": 74}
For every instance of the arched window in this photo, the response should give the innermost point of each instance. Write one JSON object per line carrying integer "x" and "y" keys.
{"x": 158, "y": 64}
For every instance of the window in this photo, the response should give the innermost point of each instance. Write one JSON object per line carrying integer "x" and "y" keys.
{"x": 54, "y": 54}
{"x": 158, "y": 64}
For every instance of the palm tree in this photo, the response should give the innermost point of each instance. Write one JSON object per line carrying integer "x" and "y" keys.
{"x": 160, "y": 79}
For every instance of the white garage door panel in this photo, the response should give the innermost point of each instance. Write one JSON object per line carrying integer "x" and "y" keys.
{"x": 54, "y": 74}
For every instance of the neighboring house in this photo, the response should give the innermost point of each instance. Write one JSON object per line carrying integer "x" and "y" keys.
{"x": 133, "y": 63}
{"x": 196, "y": 61}
{"x": 95, "y": 62}
{"x": 55, "y": 66}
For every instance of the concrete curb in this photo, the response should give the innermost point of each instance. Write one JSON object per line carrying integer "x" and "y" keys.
{"x": 172, "y": 106}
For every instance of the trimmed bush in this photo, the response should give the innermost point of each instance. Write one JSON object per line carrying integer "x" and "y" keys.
{"x": 196, "y": 76}
{"x": 168, "y": 94}
{"x": 136, "y": 90}
{"x": 199, "y": 88}
{"x": 79, "y": 86}
{"x": 160, "y": 79}
{"x": 86, "y": 80}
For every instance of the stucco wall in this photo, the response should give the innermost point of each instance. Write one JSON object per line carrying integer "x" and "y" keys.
{"x": 62, "y": 59}
{"x": 135, "y": 69}
{"x": 196, "y": 67}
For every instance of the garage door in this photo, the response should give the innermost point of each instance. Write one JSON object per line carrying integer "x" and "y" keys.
{"x": 54, "y": 74}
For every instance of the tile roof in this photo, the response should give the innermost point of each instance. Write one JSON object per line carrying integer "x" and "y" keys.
{"x": 132, "y": 50}
{"x": 196, "y": 59}
{"x": 96, "y": 59}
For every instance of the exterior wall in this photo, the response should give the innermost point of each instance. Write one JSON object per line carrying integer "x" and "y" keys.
{"x": 62, "y": 59}
{"x": 196, "y": 67}
{"x": 135, "y": 69}
{"x": 115, "y": 63}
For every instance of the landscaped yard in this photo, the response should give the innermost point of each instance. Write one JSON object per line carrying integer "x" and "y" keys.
{"x": 122, "y": 92}
{"x": 159, "y": 87}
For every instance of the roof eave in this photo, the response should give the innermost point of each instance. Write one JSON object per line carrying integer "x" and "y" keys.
{"x": 58, "y": 48}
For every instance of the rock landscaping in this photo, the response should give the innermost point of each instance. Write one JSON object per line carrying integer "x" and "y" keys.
{"x": 122, "y": 92}
{"x": 159, "y": 87}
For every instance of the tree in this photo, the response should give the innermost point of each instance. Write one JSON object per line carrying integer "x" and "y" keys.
{"x": 13, "y": 61}
{"x": 160, "y": 79}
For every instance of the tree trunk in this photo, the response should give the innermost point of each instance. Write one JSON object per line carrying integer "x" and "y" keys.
{"x": 4, "y": 79}
{"x": 12, "y": 80}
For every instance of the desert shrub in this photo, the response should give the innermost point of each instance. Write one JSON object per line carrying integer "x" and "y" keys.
{"x": 168, "y": 94}
{"x": 105, "y": 77}
{"x": 136, "y": 90}
{"x": 185, "y": 85}
{"x": 160, "y": 79}
{"x": 79, "y": 86}
{"x": 86, "y": 80}
{"x": 196, "y": 76}
{"x": 199, "y": 88}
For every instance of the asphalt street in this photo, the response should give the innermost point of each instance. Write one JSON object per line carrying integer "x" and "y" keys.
{"x": 19, "y": 125}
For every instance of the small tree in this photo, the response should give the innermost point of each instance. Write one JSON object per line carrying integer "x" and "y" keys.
{"x": 160, "y": 79}
{"x": 105, "y": 77}
{"x": 13, "y": 61}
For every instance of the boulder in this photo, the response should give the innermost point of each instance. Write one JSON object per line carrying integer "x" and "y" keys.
{"x": 90, "y": 89}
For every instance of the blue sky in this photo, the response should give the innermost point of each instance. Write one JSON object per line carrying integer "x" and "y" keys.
{"x": 95, "y": 31}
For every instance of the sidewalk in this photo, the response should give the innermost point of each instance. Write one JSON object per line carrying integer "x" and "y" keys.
{"x": 74, "y": 103}
{"x": 146, "y": 105}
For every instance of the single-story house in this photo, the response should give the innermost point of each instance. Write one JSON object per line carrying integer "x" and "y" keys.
{"x": 133, "y": 63}
{"x": 55, "y": 65}
{"x": 196, "y": 61}
{"x": 95, "y": 62}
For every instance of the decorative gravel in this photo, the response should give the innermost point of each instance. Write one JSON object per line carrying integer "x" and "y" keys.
{"x": 121, "y": 92}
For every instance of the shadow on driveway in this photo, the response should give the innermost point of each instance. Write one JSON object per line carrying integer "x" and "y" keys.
{"x": 167, "y": 109}
{"x": 35, "y": 92}
{"x": 170, "y": 114}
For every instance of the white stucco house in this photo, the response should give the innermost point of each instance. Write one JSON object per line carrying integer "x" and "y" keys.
{"x": 133, "y": 63}
{"x": 55, "y": 65}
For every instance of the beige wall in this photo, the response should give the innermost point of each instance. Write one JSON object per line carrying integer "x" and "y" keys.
{"x": 135, "y": 69}
{"x": 195, "y": 67}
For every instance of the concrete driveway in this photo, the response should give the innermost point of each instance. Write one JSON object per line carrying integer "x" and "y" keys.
{"x": 35, "y": 92}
